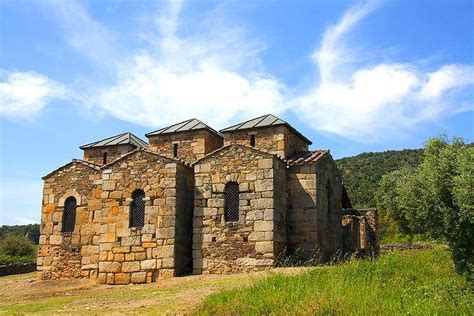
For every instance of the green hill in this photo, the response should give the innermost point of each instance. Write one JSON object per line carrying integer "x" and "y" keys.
{"x": 362, "y": 173}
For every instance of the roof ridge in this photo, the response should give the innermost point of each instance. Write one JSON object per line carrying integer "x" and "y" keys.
{"x": 80, "y": 161}
{"x": 277, "y": 122}
{"x": 169, "y": 129}
{"x": 130, "y": 138}
{"x": 242, "y": 123}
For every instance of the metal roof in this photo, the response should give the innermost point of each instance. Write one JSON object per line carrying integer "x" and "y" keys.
{"x": 263, "y": 121}
{"x": 188, "y": 125}
{"x": 121, "y": 139}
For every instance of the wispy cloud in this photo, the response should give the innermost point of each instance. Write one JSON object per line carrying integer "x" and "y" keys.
{"x": 367, "y": 102}
{"x": 84, "y": 34}
{"x": 25, "y": 94}
{"x": 214, "y": 69}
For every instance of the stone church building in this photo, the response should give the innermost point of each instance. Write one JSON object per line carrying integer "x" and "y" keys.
{"x": 195, "y": 200}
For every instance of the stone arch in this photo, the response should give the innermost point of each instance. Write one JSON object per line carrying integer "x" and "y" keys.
{"x": 68, "y": 193}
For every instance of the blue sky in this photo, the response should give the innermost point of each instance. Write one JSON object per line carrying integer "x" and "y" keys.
{"x": 351, "y": 76}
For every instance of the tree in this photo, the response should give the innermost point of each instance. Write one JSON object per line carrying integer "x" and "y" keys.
{"x": 437, "y": 197}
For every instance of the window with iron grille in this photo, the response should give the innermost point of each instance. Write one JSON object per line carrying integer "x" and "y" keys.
{"x": 69, "y": 214}
{"x": 137, "y": 209}
{"x": 231, "y": 198}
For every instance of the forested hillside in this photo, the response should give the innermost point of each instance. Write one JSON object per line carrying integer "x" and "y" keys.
{"x": 362, "y": 173}
{"x": 31, "y": 231}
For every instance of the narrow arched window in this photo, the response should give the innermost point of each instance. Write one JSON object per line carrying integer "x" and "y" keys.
{"x": 231, "y": 206}
{"x": 69, "y": 214}
{"x": 137, "y": 209}
{"x": 104, "y": 158}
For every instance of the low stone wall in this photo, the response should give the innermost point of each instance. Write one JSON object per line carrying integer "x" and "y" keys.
{"x": 17, "y": 268}
{"x": 361, "y": 233}
{"x": 401, "y": 247}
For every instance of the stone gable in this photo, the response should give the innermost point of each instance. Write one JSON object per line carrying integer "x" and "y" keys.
{"x": 249, "y": 243}
{"x": 69, "y": 255}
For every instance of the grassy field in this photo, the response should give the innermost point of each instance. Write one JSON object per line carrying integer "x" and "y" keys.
{"x": 408, "y": 282}
{"x": 23, "y": 294}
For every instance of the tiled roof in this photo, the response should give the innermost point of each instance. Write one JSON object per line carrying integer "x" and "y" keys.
{"x": 121, "y": 139}
{"x": 306, "y": 157}
{"x": 188, "y": 125}
{"x": 263, "y": 121}
{"x": 79, "y": 161}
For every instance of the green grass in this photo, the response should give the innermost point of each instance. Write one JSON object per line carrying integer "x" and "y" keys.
{"x": 409, "y": 282}
{"x": 6, "y": 259}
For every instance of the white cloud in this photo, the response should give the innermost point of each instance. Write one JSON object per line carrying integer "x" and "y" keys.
{"x": 365, "y": 102}
{"x": 213, "y": 73}
{"x": 25, "y": 94}
{"x": 446, "y": 78}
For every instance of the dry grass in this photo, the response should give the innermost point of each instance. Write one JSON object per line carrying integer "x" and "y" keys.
{"x": 23, "y": 294}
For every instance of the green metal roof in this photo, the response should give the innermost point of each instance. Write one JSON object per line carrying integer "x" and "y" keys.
{"x": 263, "y": 121}
{"x": 188, "y": 125}
{"x": 121, "y": 139}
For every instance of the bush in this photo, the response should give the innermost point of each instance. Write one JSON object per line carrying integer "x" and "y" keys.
{"x": 16, "y": 246}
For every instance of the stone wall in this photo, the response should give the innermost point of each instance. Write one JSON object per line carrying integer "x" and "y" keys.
{"x": 96, "y": 154}
{"x": 141, "y": 254}
{"x": 314, "y": 225}
{"x": 278, "y": 140}
{"x": 70, "y": 255}
{"x": 17, "y": 268}
{"x": 360, "y": 231}
{"x": 192, "y": 145}
{"x": 249, "y": 244}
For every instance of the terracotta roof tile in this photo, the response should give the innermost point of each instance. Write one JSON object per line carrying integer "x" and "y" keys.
{"x": 306, "y": 157}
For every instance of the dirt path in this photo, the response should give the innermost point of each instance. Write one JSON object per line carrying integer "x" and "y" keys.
{"x": 22, "y": 294}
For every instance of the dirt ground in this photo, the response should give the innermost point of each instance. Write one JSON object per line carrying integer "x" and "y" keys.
{"x": 23, "y": 294}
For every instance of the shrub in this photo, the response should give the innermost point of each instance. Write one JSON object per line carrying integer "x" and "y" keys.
{"x": 16, "y": 246}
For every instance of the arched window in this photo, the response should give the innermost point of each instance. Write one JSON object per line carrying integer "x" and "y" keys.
{"x": 69, "y": 214}
{"x": 231, "y": 197}
{"x": 137, "y": 209}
